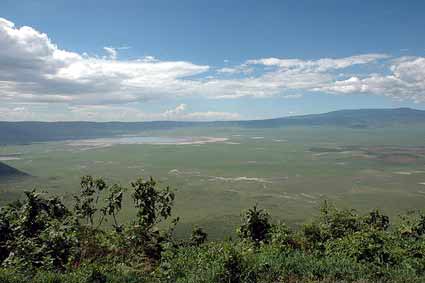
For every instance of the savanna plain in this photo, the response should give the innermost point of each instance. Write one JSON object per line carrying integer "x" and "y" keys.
{"x": 217, "y": 172}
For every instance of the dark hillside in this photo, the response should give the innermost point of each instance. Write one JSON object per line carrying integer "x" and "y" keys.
{"x": 7, "y": 171}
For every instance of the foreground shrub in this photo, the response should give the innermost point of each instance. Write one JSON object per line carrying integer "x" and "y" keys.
{"x": 255, "y": 225}
{"x": 38, "y": 232}
{"x": 371, "y": 247}
{"x": 41, "y": 240}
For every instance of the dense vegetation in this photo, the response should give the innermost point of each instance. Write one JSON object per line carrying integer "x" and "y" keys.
{"x": 42, "y": 240}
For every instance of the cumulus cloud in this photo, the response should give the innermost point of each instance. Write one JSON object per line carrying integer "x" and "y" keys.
{"x": 228, "y": 70}
{"x": 112, "y": 52}
{"x": 321, "y": 65}
{"x": 242, "y": 69}
{"x": 32, "y": 68}
{"x": 35, "y": 70}
{"x": 279, "y": 75}
{"x": 405, "y": 82}
{"x": 400, "y": 78}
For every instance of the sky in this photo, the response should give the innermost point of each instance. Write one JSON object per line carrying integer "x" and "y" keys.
{"x": 207, "y": 60}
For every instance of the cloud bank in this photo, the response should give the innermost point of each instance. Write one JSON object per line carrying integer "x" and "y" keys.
{"x": 34, "y": 70}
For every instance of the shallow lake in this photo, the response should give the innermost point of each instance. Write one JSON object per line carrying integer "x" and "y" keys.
{"x": 105, "y": 142}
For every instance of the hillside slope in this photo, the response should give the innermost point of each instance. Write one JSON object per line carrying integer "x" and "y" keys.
{"x": 348, "y": 118}
{"x": 7, "y": 171}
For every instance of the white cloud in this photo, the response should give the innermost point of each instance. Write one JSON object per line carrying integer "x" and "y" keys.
{"x": 321, "y": 65}
{"x": 112, "y": 52}
{"x": 32, "y": 68}
{"x": 405, "y": 82}
{"x": 276, "y": 76}
{"x": 242, "y": 69}
{"x": 35, "y": 70}
{"x": 228, "y": 70}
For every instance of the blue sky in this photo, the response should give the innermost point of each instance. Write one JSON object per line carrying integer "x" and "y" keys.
{"x": 207, "y": 60}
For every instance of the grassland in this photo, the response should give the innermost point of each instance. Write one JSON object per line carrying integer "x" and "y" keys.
{"x": 287, "y": 170}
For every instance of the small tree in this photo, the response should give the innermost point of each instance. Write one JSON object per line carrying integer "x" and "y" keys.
{"x": 377, "y": 220}
{"x": 113, "y": 205}
{"x": 256, "y": 225}
{"x": 332, "y": 224}
{"x": 337, "y": 223}
{"x": 198, "y": 237}
{"x": 86, "y": 203}
{"x": 153, "y": 206}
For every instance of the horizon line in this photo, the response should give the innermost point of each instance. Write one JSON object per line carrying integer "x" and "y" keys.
{"x": 214, "y": 121}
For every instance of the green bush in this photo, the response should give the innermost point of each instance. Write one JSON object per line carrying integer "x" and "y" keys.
{"x": 256, "y": 225}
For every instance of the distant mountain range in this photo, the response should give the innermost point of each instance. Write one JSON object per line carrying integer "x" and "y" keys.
{"x": 359, "y": 118}
{"x": 28, "y": 132}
